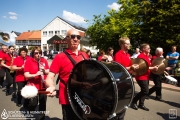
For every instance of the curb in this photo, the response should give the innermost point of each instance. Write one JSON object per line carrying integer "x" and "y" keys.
{"x": 166, "y": 88}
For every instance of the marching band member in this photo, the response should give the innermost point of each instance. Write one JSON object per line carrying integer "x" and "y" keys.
{"x": 35, "y": 70}
{"x": 62, "y": 64}
{"x": 7, "y": 62}
{"x": 18, "y": 66}
{"x": 143, "y": 80}
{"x": 124, "y": 58}
{"x": 2, "y": 71}
{"x": 109, "y": 55}
{"x": 157, "y": 79}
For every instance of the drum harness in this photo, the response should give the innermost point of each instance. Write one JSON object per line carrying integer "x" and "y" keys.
{"x": 72, "y": 61}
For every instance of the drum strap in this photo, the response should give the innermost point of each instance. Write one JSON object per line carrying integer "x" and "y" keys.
{"x": 73, "y": 62}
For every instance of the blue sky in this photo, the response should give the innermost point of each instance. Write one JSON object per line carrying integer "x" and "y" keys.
{"x": 24, "y": 15}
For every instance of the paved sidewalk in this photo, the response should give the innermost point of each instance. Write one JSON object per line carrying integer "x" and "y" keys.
{"x": 164, "y": 86}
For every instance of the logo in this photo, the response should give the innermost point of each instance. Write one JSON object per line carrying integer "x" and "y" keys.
{"x": 4, "y": 114}
{"x": 84, "y": 107}
{"x": 172, "y": 113}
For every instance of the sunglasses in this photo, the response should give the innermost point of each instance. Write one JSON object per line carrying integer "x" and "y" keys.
{"x": 37, "y": 53}
{"x": 73, "y": 36}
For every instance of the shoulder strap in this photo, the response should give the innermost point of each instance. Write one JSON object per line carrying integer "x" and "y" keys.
{"x": 70, "y": 58}
{"x": 73, "y": 62}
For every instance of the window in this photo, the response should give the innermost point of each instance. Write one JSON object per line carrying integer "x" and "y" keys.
{"x": 57, "y": 32}
{"x": 44, "y": 33}
{"x": 50, "y": 33}
{"x": 63, "y": 32}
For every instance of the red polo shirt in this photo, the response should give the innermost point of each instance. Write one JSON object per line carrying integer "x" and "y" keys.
{"x": 62, "y": 65}
{"x": 32, "y": 66}
{"x": 2, "y": 54}
{"x": 148, "y": 60}
{"x": 8, "y": 59}
{"x": 123, "y": 58}
{"x": 19, "y": 62}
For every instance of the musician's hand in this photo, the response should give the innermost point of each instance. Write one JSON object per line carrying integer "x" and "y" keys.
{"x": 86, "y": 85}
{"x": 135, "y": 67}
{"x": 52, "y": 91}
{"x": 39, "y": 73}
{"x": 155, "y": 68}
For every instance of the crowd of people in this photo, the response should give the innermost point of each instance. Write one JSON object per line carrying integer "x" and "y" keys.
{"x": 24, "y": 70}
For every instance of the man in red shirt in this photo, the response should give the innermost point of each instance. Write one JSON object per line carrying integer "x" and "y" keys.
{"x": 2, "y": 71}
{"x": 62, "y": 64}
{"x": 18, "y": 66}
{"x": 124, "y": 58}
{"x": 35, "y": 70}
{"x": 143, "y": 80}
{"x": 157, "y": 79}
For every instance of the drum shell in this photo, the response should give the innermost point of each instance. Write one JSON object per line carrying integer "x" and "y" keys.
{"x": 111, "y": 89}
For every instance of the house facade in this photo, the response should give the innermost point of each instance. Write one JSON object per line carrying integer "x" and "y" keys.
{"x": 56, "y": 31}
{"x": 27, "y": 39}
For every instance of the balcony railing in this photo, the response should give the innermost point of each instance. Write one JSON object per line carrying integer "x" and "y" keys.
{"x": 28, "y": 43}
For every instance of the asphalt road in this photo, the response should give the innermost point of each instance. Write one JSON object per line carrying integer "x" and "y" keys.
{"x": 158, "y": 110}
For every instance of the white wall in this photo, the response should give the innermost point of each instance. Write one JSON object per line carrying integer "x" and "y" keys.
{"x": 56, "y": 24}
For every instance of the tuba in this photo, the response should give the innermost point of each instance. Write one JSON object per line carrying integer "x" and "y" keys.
{"x": 7, "y": 38}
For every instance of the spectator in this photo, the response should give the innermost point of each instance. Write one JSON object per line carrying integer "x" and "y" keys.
{"x": 110, "y": 54}
{"x": 102, "y": 56}
{"x": 172, "y": 58}
{"x": 137, "y": 52}
{"x": 177, "y": 74}
{"x": 89, "y": 53}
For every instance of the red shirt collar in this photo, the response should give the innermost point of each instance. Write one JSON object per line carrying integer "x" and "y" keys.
{"x": 71, "y": 53}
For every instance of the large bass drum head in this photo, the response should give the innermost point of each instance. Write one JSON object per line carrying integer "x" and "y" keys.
{"x": 91, "y": 92}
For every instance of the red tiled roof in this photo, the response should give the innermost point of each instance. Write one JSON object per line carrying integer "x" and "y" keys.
{"x": 35, "y": 35}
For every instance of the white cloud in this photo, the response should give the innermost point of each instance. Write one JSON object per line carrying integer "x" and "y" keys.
{"x": 114, "y": 6}
{"x": 4, "y": 17}
{"x": 12, "y": 13}
{"x": 13, "y": 17}
{"x": 73, "y": 17}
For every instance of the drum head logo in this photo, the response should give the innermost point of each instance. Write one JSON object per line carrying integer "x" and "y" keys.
{"x": 84, "y": 107}
{"x": 4, "y": 114}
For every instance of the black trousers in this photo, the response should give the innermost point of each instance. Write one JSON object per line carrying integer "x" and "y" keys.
{"x": 1, "y": 81}
{"x": 14, "y": 83}
{"x": 33, "y": 102}
{"x": 19, "y": 96}
{"x": 68, "y": 113}
{"x": 143, "y": 93}
{"x": 157, "y": 79}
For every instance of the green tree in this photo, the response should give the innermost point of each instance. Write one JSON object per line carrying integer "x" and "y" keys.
{"x": 144, "y": 21}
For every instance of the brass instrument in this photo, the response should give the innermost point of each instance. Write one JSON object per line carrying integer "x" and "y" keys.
{"x": 143, "y": 66}
{"x": 7, "y": 38}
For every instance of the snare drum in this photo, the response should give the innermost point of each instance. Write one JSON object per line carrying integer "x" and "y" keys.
{"x": 98, "y": 91}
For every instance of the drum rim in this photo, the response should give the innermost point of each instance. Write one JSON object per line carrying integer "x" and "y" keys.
{"x": 113, "y": 83}
{"x": 132, "y": 83}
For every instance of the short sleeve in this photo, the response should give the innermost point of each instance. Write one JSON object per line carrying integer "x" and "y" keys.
{"x": 27, "y": 65}
{"x": 55, "y": 65}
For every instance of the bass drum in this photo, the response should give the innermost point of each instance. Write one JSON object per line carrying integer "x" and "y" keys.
{"x": 99, "y": 91}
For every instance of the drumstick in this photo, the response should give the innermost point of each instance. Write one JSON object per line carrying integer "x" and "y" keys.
{"x": 43, "y": 92}
{"x": 95, "y": 84}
